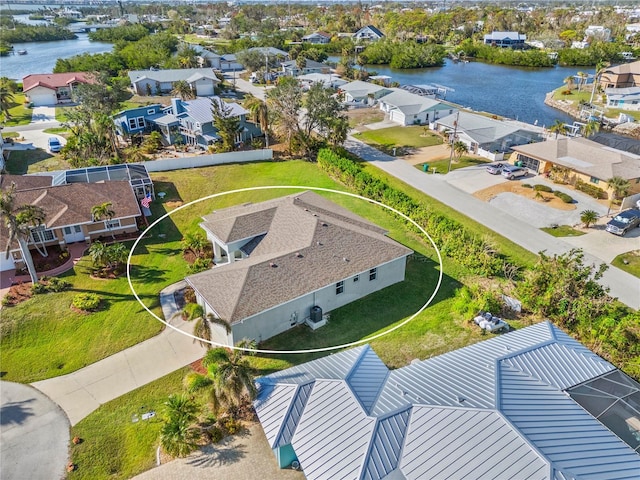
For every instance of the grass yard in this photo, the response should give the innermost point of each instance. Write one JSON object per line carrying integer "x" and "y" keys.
{"x": 19, "y": 113}
{"x": 56, "y": 130}
{"x": 629, "y": 262}
{"x": 10, "y": 135}
{"x": 562, "y": 231}
{"x": 402, "y": 138}
{"x": 61, "y": 114}
{"x": 442, "y": 166}
{"x": 20, "y": 162}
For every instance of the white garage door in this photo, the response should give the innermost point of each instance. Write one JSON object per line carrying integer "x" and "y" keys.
{"x": 43, "y": 98}
{"x": 204, "y": 89}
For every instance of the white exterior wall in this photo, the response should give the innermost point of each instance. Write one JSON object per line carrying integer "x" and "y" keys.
{"x": 203, "y": 87}
{"x": 42, "y": 96}
{"x": 6, "y": 263}
{"x": 283, "y": 317}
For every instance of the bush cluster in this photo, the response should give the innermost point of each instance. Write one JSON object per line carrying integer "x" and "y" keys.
{"x": 47, "y": 285}
{"x": 453, "y": 239}
{"x": 592, "y": 190}
{"x": 87, "y": 302}
{"x": 542, "y": 188}
{"x": 563, "y": 196}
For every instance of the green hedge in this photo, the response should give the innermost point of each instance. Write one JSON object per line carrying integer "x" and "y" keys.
{"x": 542, "y": 188}
{"x": 453, "y": 239}
{"x": 592, "y": 190}
{"x": 563, "y": 196}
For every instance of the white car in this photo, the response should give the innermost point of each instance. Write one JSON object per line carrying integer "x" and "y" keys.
{"x": 512, "y": 171}
{"x": 489, "y": 323}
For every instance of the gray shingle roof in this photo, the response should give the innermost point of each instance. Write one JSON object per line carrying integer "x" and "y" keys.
{"x": 494, "y": 410}
{"x": 332, "y": 243}
{"x": 410, "y": 103}
{"x": 480, "y": 128}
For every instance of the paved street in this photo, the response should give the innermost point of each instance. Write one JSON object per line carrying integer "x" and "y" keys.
{"x": 623, "y": 285}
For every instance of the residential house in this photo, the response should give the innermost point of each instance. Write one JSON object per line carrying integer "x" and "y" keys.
{"x": 317, "y": 37}
{"x": 505, "y": 39}
{"x": 582, "y": 159}
{"x": 598, "y": 32}
{"x": 271, "y": 52}
{"x": 530, "y": 404}
{"x": 328, "y": 80}
{"x": 161, "y": 82}
{"x": 363, "y": 92}
{"x": 487, "y": 137}
{"x": 48, "y": 89}
{"x": 621, "y": 76}
{"x": 285, "y": 261}
{"x": 229, "y": 63}
{"x": 67, "y": 210}
{"x": 623, "y": 98}
{"x": 134, "y": 120}
{"x": 207, "y": 58}
{"x": 291, "y": 68}
{"x": 368, "y": 33}
{"x": 406, "y": 108}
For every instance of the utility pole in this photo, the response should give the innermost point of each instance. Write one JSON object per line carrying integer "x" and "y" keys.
{"x": 453, "y": 139}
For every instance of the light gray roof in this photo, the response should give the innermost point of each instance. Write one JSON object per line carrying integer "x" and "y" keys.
{"x": 498, "y": 409}
{"x": 480, "y": 128}
{"x": 505, "y": 35}
{"x": 309, "y": 64}
{"x": 172, "y": 75}
{"x": 271, "y": 51}
{"x": 307, "y": 243}
{"x": 585, "y": 156}
{"x": 359, "y": 88}
{"x": 200, "y": 109}
{"x": 410, "y": 103}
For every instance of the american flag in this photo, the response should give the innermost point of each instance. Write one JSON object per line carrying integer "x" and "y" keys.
{"x": 146, "y": 201}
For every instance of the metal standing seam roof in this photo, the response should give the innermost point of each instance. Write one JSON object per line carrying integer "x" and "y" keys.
{"x": 200, "y": 109}
{"x": 480, "y": 128}
{"x": 410, "y": 103}
{"x": 434, "y": 419}
{"x": 172, "y": 75}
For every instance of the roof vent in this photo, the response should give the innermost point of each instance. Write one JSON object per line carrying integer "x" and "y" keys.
{"x": 273, "y": 265}
{"x": 298, "y": 255}
{"x": 345, "y": 259}
{"x": 460, "y": 399}
{"x": 507, "y": 348}
{"x": 319, "y": 243}
{"x": 315, "y": 214}
{"x": 325, "y": 224}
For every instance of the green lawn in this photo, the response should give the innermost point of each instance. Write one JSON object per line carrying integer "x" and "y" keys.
{"x": 56, "y": 130}
{"x": 442, "y": 166}
{"x": 21, "y": 162}
{"x": 562, "y": 231}
{"x": 574, "y": 96}
{"x": 10, "y": 134}
{"x": 19, "y": 113}
{"x": 402, "y": 138}
{"x": 632, "y": 264}
{"x": 61, "y": 114}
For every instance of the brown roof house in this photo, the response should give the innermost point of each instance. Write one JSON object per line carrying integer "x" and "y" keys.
{"x": 285, "y": 261}
{"x": 52, "y": 88}
{"x": 581, "y": 159}
{"x": 68, "y": 213}
{"x": 621, "y": 76}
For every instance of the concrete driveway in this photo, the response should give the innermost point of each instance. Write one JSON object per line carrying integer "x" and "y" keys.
{"x": 34, "y": 437}
{"x": 43, "y": 115}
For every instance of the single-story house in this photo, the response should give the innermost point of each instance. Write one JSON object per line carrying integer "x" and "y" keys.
{"x": 317, "y": 37}
{"x": 598, "y": 32}
{"x": 505, "y": 39}
{"x": 45, "y": 89}
{"x": 530, "y": 404}
{"x": 206, "y": 58}
{"x": 583, "y": 159}
{"x": 329, "y": 80}
{"x": 621, "y": 76}
{"x": 486, "y": 136}
{"x": 135, "y": 120}
{"x": 363, "y": 92}
{"x": 229, "y": 63}
{"x": 285, "y": 261}
{"x": 290, "y": 67}
{"x": 161, "y": 82}
{"x": 67, "y": 210}
{"x": 623, "y": 98}
{"x": 369, "y": 33}
{"x": 271, "y": 52}
{"x": 406, "y": 108}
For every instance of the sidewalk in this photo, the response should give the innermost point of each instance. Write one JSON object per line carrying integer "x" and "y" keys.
{"x": 83, "y": 391}
{"x": 622, "y": 284}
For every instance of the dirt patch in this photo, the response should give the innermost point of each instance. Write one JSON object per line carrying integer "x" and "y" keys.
{"x": 173, "y": 204}
{"x": 359, "y": 117}
{"x": 548, "y": 199}
{"x": 17, "y": 294}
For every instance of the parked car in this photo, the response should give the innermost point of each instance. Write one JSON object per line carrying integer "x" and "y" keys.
{"x": 489, "y": 323}
{"x": 495, "y": 169}
{"x": 511, "y": 172}
{"x": 624, "y": 221}
{"x": 54, "y": 145}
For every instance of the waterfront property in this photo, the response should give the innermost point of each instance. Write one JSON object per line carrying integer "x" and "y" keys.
{"x": 290, "y": 67}
{"x": 288, "y": 261}
{"x": 623, "y": 98}
{"x": 621, "y": 76}
{"x": 580, "y": 159}
{"x": 68, "y": 216}
{"x": 328, "y": 80}
{"x": 317, "y": 37}
{"x": 47, "y": 89}
{"x": 406, "y": 108}
{"x": 505, "y": 39}
{"x": 136, "y": 120}
{"x": 533, "y": 403}
{"x": 364, "y": 93}
{"x": 368, "y": 33}
{"x": 161, "y": 82}
{"x": 487, "y": 137}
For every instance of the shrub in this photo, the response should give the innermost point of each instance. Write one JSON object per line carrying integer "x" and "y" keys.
{"x": 199, "y": 265}
{"x": 189, "y": 295}
{"x": 231, "y": 425}
{"x": 215, "y": 434}
{"x": 563, "y": 196}
{"x": 38, "y": 288}
{"x": 87, "y": 302}
{"x": 542, "y": 188}
{"x": 58, "y": 285}
{"x": 527, "y": 185}
{"x": 192, "y": 311}
{"x": 7, "y": 299}
{"x": 591, "y": 190}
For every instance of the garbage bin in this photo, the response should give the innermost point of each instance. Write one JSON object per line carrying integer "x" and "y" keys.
{"x": 425, "y": 167}
{"x": 518, "y": 163}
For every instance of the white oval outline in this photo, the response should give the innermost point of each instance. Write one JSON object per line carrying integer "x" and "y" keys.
{"x": 288, "y": 187}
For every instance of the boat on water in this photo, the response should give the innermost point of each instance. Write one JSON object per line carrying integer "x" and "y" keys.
{"x": 21, "y": 52}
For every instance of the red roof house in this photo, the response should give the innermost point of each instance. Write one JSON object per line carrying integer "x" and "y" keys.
{"x": 52, "y": 88}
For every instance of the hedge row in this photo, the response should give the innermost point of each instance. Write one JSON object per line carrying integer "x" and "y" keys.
{"x": 592, "y": 190}
{"x": 563, "y": 196}
{"x": 452, "y": 238}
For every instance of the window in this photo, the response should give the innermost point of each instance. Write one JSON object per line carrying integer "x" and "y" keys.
{"x": 112, "y": 224}
{"x": 373, "y": 274}
{"x": 151, "y": 111}
{"x": 339, "y": 288}
{"x": 356, "y": 278}
{"x": 594, "y": 180}
{"x": 42, "y": 235}
{"x": 132, "y": 123}
{"x": 135, "y": 123}
{"x": 141, "y": 122}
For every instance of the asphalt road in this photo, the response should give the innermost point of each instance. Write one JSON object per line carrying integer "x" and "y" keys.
{"x": 622, "y": 285}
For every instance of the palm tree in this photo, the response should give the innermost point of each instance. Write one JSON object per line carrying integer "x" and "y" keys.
{"x": 460, "y": 148}
{"x": 101, "y": 212}
{"x": 229, "y": 377}
{"x": 588, "y": 217}
{"x": 202, "y": 329}
{"x": 619, "y": 189}
{"x": 582, "y": 78}
{"x": 19, "y": 221}
{"x": 569, "y": 82}
{"x": 99, "y": 254}
{"x": 6, "y": 102}
{"x": 558, "y": 127}
{"x": 196, "y": 243}
{"x": 600, "y": 69}
{"x": 260, "y": 114}
{"x": 182, "y": 89}
{"x": 178, "y": 436}
{"x": 590, "y": 128}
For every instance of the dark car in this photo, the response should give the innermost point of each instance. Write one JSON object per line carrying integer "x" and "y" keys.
{"x": 495, "y": 169}
{"x": 624, "y": 221}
